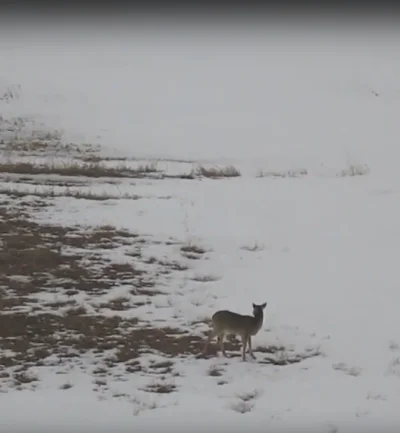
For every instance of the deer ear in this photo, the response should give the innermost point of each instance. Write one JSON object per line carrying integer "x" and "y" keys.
{"x": 254, "y": 305}
{"x": 263, "y": 305}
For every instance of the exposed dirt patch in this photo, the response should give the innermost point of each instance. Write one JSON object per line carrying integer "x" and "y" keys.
{"x": 43, "y": 267}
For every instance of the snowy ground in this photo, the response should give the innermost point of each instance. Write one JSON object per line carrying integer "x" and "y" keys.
{"x": 117, "y": 249}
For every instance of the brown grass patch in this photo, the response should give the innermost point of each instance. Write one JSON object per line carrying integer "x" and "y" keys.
{"x": 143, "y": 289}
{"x": 24, "y": 377}
{"x": 173, "y": 265}
{"x": 91, "y": 169}
{"x": 269, "y": 349}
{"x": 167, "y": 266}
{"x": 192, "y": 256}
{"x": 59, "y": 304}
{"x": 184, "y": 176}
{"x": 32, "y": 260}
{"x": 100, "y": 371}
{"x": 161, "y": 364}
{"x": 160, "y": 387}
{"x": 96, "y": 158}
{"x": 162, "y": 367}
{"x": 191, "y": 248}
{"x": 67, "y": 192}
{"x": 205, "y": 278}
{"x": 76, "y": 311}
{"x": 295, "y": 173}
{"x": 100, "y": 382}
{"x": 118, "y": 304}
{"x": 217, "y": 173}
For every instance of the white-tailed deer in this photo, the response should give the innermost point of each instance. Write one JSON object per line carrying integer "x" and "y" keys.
{"x": 226, "y": 322}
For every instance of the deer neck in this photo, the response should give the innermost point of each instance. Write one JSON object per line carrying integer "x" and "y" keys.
{"x": 259, "y": 318}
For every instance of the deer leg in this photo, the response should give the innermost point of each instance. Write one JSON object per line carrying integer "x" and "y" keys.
{"x": 250, "y": 348}
{"x": 244, "y": 343}
{"x": 211, "y": 335}
{"x": 221, "y": 343}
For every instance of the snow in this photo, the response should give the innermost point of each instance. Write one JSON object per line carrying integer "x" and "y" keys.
{"x": 327, "y": 246}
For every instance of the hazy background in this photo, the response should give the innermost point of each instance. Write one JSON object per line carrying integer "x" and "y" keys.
{"x": 275, "y": 91}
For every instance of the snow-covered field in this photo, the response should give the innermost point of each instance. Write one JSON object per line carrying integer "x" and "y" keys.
{"x": 310, "y": 224}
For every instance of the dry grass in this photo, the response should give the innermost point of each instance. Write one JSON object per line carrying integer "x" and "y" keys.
{"x": 78, "y": 333}
{"x": 183, "y": 176}
{"x": 161, "y": 387}
{"x": 24, "y": 377}
{"x": 100, "y": 382}
{"x": 245, "y": 402}
{"x": 354, "y": 170}
{"x": 93, "y": 169}
{"x": 140, "y": 406}
{"x": 275, "y": 355}
{"x": 122, "y": 303}
{"x": 216, "y": 172}
{"x": 89, "y": 157}
{"x": 32, "y": 261}
{"x": 17, "y": 139}
{"x": 66, "y": 192}
{"x": 168, "y": 266}
{"x": 256, "y": 247}
{"x": 38, "y": 143}
{"x": 191, "y": 248}
{"x": 215, "y": 371}
{"x": 205, "y": 278}
{"x": 283, "y": 173}
{"x": 35, "y": 252}
{"x": 173, "y": 265}
{"x": 242, "y": 407}
{"x": 282, "y": 357}
{"x": 65, "y": 261}
{"x": 162, "y": 367}
{"x": 269, "y": 349}
{"x": 347, "y": 369}
{"x": 162, "y": 364}
{"x": 248, "y": 396}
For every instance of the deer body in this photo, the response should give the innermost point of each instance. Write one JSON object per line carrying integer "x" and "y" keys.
{"x": 225, "y": 322}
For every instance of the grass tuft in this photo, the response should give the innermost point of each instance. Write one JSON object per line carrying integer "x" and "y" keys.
{"x": 294, "y": 173}
{"x": 191, "y": 248}
{"x": 215, "y": 371}
{"x": 66, "y": 192}
{"x": 205, "y": 278}
{"x": 88, "y": 169}
{"x": 160, "y": 387}
{"x": 217, "y": 173}
{"x": 354, "y": 170}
